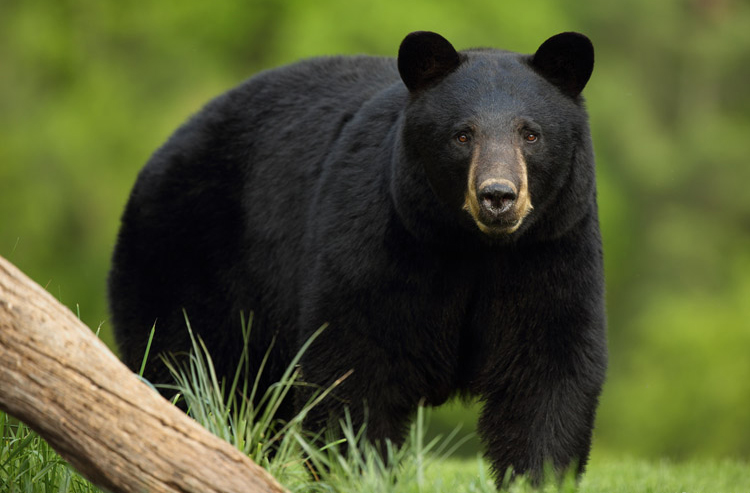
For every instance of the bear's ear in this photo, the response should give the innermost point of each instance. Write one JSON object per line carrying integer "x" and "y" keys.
{"x": 424, "y": 58}
{"x": 566, "y": 60}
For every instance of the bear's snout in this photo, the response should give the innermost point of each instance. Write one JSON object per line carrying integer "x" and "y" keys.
{"x": 498, "y": 206}
{"x": 496, "y": 198}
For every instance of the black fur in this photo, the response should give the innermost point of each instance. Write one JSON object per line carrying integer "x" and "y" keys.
{"x": 332, "y": 191}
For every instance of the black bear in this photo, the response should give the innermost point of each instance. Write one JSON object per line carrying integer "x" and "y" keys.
{"x": 438, "y": 211}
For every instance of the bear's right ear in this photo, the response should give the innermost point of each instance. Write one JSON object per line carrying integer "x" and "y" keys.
{"x": 424, "y": 58}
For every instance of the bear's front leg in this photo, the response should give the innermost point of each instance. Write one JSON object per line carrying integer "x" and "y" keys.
{"x": 538, "y": 415}
{"x": 393, "y": 330}
{"x": 356, "y": 374}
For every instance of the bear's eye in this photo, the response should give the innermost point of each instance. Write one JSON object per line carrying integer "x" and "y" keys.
{"x": 531, "y": 137}
{"x": 463, "y": 138}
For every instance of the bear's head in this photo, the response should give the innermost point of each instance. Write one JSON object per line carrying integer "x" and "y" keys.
{"x": 501, "y": 138}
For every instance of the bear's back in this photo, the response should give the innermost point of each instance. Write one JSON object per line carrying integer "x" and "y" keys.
{"x": 208, "y": 212}
{"x": 314, "y": 86}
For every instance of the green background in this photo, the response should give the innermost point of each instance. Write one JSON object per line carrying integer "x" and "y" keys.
{"x": 88, "y": 89}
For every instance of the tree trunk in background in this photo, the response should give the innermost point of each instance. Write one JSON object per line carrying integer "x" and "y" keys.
{"x": 57, "y": 377}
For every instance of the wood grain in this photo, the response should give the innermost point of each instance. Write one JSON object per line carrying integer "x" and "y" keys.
{"x": 64, "y": 383}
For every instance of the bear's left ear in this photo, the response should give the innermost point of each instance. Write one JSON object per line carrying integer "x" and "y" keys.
{"x": 566, "y": 60}
{"x": 424, "y": 58}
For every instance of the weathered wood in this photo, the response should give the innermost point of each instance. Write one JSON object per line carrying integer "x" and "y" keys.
{"x": 60, "y": 379}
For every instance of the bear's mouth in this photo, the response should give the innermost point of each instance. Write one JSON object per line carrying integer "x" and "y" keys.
{"x": 500, "y": 228}
{"x": 503, "y": 224}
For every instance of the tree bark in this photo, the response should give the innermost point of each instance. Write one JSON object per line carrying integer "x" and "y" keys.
{"x": 61, "y": 380}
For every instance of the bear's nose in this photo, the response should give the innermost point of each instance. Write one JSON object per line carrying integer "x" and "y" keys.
{"x": 497, "y": 197}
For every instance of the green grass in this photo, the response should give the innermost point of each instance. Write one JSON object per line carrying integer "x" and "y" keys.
{"x": 28, "y": 464}
{"x": 617, "y": 475}
{"x": 664, "y": 476}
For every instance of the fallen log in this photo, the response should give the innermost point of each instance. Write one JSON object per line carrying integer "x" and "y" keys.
{"x": 64, "y": 383}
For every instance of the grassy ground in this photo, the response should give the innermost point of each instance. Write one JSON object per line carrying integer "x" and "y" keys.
{"x": 28, "y": 465}
{"x": 697, "y": 476}
{"x": 623, "y": 475}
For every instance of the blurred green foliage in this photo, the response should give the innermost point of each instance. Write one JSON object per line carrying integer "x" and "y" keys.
{"x": 89, "y": 89}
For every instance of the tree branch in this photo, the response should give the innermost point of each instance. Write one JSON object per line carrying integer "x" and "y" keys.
{"x": 61, "y": 380}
